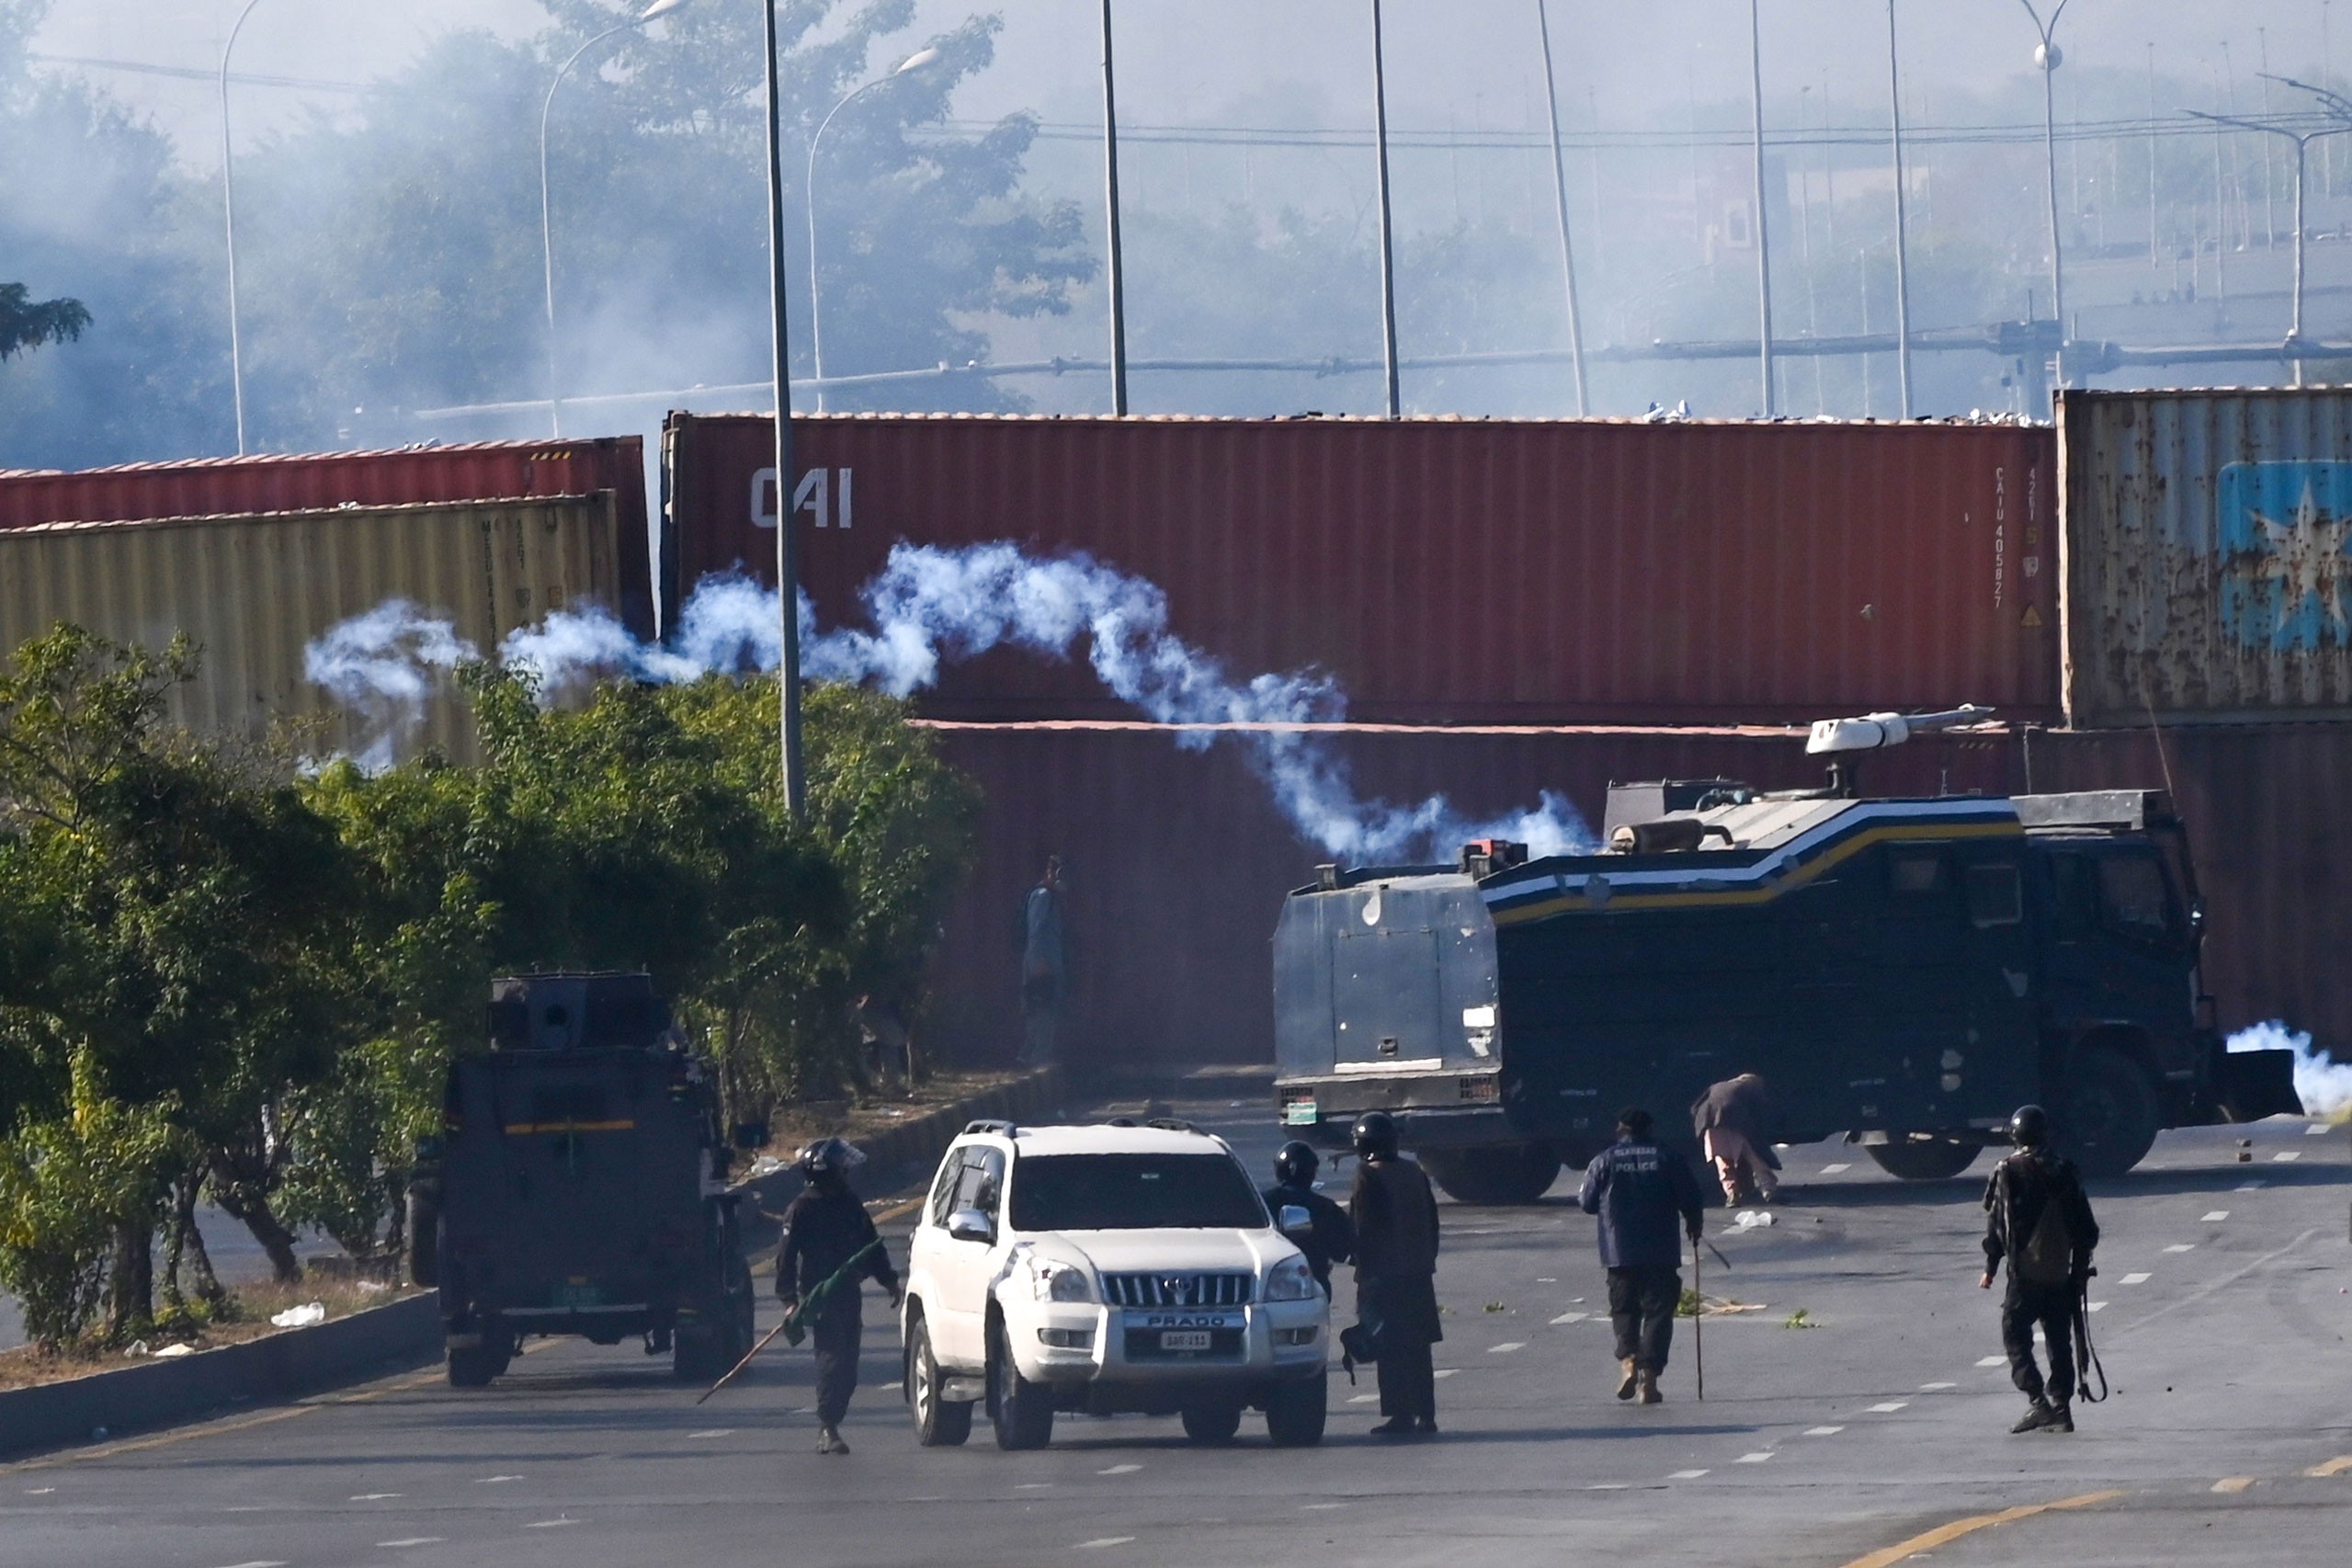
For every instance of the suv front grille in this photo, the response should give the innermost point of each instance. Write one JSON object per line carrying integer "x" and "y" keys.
{"x": 1178, "y": 1290}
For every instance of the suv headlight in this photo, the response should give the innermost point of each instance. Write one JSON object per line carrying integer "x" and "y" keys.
{"x": 1061, "y": 1282}
{"x": 1291, "y": 1281}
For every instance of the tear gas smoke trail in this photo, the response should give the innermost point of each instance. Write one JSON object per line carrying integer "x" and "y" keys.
{"x": 385, "y": 664}
{"x": 931, "y": 607}
{"x": 2324, "y": 1086}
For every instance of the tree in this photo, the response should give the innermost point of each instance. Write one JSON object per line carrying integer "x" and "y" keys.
{"x": 27, "y": 323}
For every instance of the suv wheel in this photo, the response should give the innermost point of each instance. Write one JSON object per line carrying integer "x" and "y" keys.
{"x": 1295, "y": 1411}
{"x": 474, "y": 1367}
{"x": 937, "y": 1423}
{"x": 1022, "y": 1410}
{"x": 1211, "y": 1423}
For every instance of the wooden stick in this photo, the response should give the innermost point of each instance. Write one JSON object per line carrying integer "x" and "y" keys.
{"x": 754, "y": 1350}
{"x": 1699, "y": 1318}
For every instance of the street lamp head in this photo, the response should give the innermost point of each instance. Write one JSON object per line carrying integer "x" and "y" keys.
{"x": 661, "y": 8}
{"x": 2048, "y": 56}
{"x": 919, "y": 60}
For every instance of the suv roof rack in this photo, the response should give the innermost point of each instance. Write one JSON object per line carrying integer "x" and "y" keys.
{"x": 1172, "y": 1124}
{"x": 998, "y": 1125}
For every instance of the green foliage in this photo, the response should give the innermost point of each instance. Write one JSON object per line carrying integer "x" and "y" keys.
{"x": 27, "y": 323}
{"x": 212, "y": 971}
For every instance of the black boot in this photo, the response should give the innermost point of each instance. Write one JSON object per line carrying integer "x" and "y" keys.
{"x": 2062, "y": 1417}
{"x": 2037, "y": 1415}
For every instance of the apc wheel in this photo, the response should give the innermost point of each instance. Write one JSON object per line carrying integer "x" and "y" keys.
{"x": 473, "y": 1368}
{"x": 1211, "y": 1423}
{"x": 1021, "y": 1410}
{"x": 2107, "y": 1114}
{"x": 1511, "y": 1174}
{"x": 1295, "y": 1412}
{"x": 938, "y": 1424}
{"x": 424, "y": 1237}
{"x": 1923, "y": 1162}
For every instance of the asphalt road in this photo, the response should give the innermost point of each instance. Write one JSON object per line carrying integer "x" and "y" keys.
{"x": 1876, "y": 1433}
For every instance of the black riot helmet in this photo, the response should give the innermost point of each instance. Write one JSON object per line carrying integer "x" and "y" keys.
{"x": 2030, "y": 1127}
{"x": 1374, "y": 1136}
{"x": 1296, "y": 1165}
{"x": 829, "y": 1158}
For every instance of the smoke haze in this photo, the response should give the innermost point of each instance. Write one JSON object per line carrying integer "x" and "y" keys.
{"x": 931, "y": 607}
{"x": 2323, "y": 1084}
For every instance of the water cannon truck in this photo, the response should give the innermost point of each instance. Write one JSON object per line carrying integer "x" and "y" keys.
{"x": 1903, "y": 972}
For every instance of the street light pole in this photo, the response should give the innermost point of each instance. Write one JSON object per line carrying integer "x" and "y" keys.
{"x": 916, "y": 62}
{"x": 228, "y": 231}
{"x": 1763, "y": 229}
{"x": 546, "y": 209}
{"x": 787, "y": 576}
{"x": 1388, "y": 260}
{"x": 1902, "y": 225}
{"x": 2048, "y": 58}
{"x": 2342, "y": 108}
{"x": 1117, "y": 273}
{"x": 1560, "y": 201}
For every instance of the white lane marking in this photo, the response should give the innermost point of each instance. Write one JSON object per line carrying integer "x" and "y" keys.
{"x": 1685, "y": 1475}
{"x": 374, "y": 1496}
{"x": 2097, "y": 1306}
{"x": 1362, "y": 1398}
{"x": 259, "y": 1562}
{"x": 1120, "y": 1469}
{"x": 1318, "y": 1508}
{"x": 1754, "y": 1458}
{"x": 549, "y": 1523}
{"x": 2283, "y": 1155}
{"x": 1445, "y": 1371}
{"x": 1824, "y": 1431}
{"x": 2234, "y": 1484}
{"x": 1101, "y": 1542}
{"x": 2215, "y": 1217}
{"x": 2256, "y": 1185}
{"x": 495, "y": 1480}
{"x": 2140, "y": 1279}
{"x": 2316, "y": 1129}
{"x": 1034, "y": 1487}
{"x": 38, "y": 1491}
{"x": 2182, "y": 1246}
{"x": 414, "y": 1540}
{"x": 1607, "y": 1487}
{"x": 1889, "y": 1407}
{"x": 1507, "y": 1347}
{"x": 1833, "y": 1170}
{"x": 1931, "y": 1388}
{"x": 712, "y": 1432}
{"x": 1542, "y": 1280}
{"x": 1571, "y": 1317}
{"x": 1992, "y": 1360}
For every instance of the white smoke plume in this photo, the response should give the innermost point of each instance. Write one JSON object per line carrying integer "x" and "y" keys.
{"x": 2323, "y": 1084}
{"x": 386, "y": 665}
{"x": 931, "y": 607}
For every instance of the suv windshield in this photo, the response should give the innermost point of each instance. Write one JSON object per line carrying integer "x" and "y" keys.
{"x": 1133, "y": 1192}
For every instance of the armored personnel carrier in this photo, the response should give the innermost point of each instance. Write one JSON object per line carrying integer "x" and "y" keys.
{"x": 1904, "y": 972}
{"x": 579, "y": 1186}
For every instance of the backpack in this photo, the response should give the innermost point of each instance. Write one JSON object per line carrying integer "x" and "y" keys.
{"x": 2045, "y": 1255}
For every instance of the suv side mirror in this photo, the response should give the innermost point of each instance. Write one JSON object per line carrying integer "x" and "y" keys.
{"x": 971, "y": 1225}
{"x": 1294, "y": 1221}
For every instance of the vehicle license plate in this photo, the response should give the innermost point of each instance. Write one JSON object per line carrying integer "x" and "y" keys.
{"x": 1184, "y": 1339}
{"x": 1299, "y": 1113}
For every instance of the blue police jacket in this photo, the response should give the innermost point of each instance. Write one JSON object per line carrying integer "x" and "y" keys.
{"x": 1639, "y": 1191}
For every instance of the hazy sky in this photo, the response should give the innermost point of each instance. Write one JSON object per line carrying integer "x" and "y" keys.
{"x": 1227, "y": 62}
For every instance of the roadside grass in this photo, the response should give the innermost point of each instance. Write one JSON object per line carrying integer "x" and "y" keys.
{"x": 253, "y": 1306}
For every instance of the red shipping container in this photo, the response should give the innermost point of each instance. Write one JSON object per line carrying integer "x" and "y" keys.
{"x": 1178, "y": 860}
{"x": 484, "y": 471}
{"x": 1451, "y": 572}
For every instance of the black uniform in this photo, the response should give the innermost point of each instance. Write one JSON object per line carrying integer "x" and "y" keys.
{"x": 2039, "y": 1220}
{"x": 1334, "y": 1236}
{"x": 823, "y": 1229}
{"x": 1641, "y": 1189}
{"x": 1395, "y": 1217}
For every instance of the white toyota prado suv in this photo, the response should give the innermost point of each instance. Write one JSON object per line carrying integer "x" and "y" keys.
{"x": 1101, "y": 1270}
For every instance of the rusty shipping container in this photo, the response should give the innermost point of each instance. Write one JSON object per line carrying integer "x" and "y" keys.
{"x": 1179, "y": 860}
{"x": 2205, "y": 563}
{"x": 253, "y": 591}
{"x": 1450, "y": 571}
{"x": 483, "y": 470}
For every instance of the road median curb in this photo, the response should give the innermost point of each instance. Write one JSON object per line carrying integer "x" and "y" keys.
{"x": 282, "y": 1366}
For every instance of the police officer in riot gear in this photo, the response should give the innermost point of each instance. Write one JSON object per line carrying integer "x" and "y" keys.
{"x": 826, "y": 1231}
{"x": 1396, "y": 1216}
{"x": 1329, "y": 1238}
{"x": 2038, "y": 1220}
